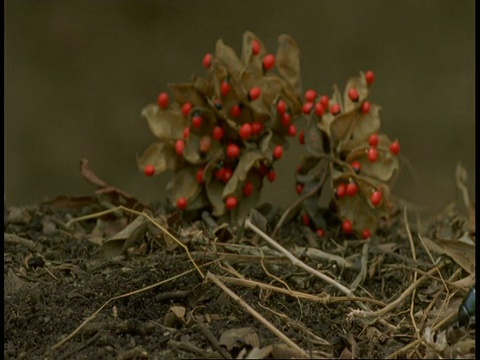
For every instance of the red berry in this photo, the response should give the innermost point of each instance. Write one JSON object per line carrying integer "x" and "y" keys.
{"x": 254, "y": 93}
{"x": 224, "y": 88}
{"x": 301, "y": 137}
{"x": 197, "y": 121}
{"x": 179, "y": 146}
{"x": 268, "y": 62}
{"x": 353, "y": 94}
{"x": 307, "y": 107}
{"x": 335, "y": 109}
{"x": 181, "y": 203}
{"x": 372, "y": 154}
{"x": 299, "y": 188}
{"x": 271, "y": 175}
{"x": 306, "y": 220}
{"x": 149, "y": 170}
{"x": 245, "y": 131}
{"x": 257, "y": 127}
{"x": 352, "y": 188}
{"x": 231, "y": 202}
{"x": 365, "y": 107}
{"x": 395, "y": 147}
{"x": 220, "y": 174}
{"x": 278, "y": 152}
{"x": 233, "y": 151}
{"x": 186, "y": 109}
{"x": 207, "y": 60}
{"x": 186, "y": 132}
{"x": 373, "y": 140}
{"x": 366, "y": 234}
{"x": 205, "y": 144}
{"x": 236, "y": 110}
{"x": 292, "y": 130}
{"x": 369, "y": 77}
{"x": 310, "y": 95}
{"x": 347, "y": 226}
{"x": 356, "y": 166}
{"x": 341, "y": 190}
{"x": 262, "y": 169}
{"x": 199, "y": 176}
{"x": 376, "y": 198}
{"x": 163, "y": 99}
{"x": 255, "y": 47}
{"x": 281, "y": 106}
{"x": 320, "y": 232}
{"x": 227, "y": 174}
{"x": 247, "y": 189}
{"x": 319, "y": 109}
{"x": 324, "y": 101}
{"x": 286, "y": 119}
{"x": 218, "y": 133}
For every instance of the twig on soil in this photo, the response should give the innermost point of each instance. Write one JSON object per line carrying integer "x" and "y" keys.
{"x": 394, "y": 304}
{"x": 310, "y": 297}
{"x": 295, "y": 261}
{"x": 255, "y": 314}
{"x": 91, "y": 317}
{"x": 415, "y": 274}
{"x": 149, "y": 218}
{"x": 213, "y": 340}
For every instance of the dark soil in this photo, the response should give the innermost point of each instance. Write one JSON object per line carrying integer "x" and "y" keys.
{"x": 59, "y": 277}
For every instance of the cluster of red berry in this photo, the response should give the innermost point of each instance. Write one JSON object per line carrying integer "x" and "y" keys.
{"x": 222, "y": 134}
{"x": 344, "y": 146}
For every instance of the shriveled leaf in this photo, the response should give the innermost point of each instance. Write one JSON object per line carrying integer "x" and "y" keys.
{"x": 187, "y": 92}
{"x": 126, "y": 238}
{"x": 337, "y": 98}
{"x": 360, "y": 84}
{"x": 385, "y": 165}
{"x": 288, "y": 61}
{"x": 358, "y": 212}
{"x": 246, "y": 204}
{"x": 364, "y": 125}
{"x": 214, "y": 190}
{"x": 252, "y": 62}
{"x": 246, "y": 162}
{"x": 183, "y": 184}
{"x": 89, "y": 175}
{"x": 166, "y": 124}
{"x": 314, "y": 140}
{"x": 341, "y": 124}
{"x": 238, "y": 338}
{"x": 226, "y": 56}
{"x": 191, "y": 150}
{"x": 161, "y": 155}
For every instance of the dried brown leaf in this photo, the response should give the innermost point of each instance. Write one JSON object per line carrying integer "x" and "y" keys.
{"x": 288, "y": 61}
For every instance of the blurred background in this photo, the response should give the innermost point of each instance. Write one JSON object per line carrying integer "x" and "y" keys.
{"x": 78, "y": 73}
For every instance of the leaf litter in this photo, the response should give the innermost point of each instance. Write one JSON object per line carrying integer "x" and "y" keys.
{"x": 105, "y": 276}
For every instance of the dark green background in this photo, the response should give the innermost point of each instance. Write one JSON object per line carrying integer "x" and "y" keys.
{"x": 77, "y": 74}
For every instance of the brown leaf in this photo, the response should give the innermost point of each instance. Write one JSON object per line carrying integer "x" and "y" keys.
{"x": 161, "y": 155}
{"x": 238, "y": 338}
{"x": 226, "y": 56}
{"x": 360, "y": 84}
{"x": 361, "y": 128}
{"x": 89, "y": 175}
{"x": 183, "y": 184}
{"x": 288, "y": 61}
{"x": 165, "y": 124}
{"x": 248, "y": 159}
{"x": 188, "y": 92}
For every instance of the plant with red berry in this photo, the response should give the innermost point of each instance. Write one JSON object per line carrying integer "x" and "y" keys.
{"x": 346, "y": 150}
{"x": 222, "y": 134}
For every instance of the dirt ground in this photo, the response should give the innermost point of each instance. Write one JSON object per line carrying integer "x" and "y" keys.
{"x": 84, "y": 282}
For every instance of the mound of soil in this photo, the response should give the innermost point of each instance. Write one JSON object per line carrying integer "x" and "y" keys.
{"x": 119, "y": 285}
